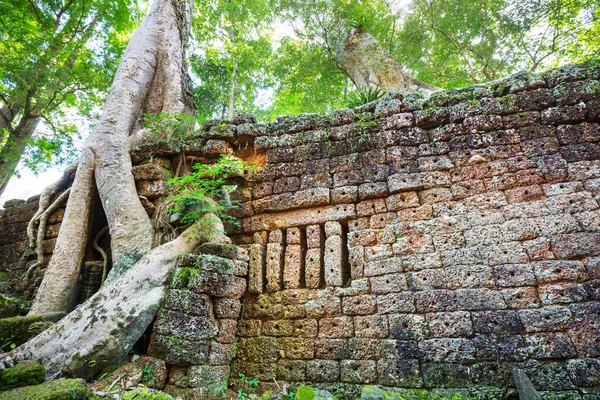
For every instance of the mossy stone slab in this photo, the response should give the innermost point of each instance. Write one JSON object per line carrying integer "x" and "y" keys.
{"x": 60, "y": 389}
{"x": 25, "y": 373}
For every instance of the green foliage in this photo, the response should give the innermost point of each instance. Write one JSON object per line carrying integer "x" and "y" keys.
{"x": 366, "y": 124}
{"x": 171, "y": 128}
{"x": 305, "y": 80}
{"x": 249, "y": 388}
{"x": 205, "y": 191}
{"x": 234, "y": 47}
{"x": 8, "y": 343}
{"x": 360, "y": 97}
{"x": 221, "y": 388}
{"x": 175, "y": 339}
{"x": 213, "y": 78}
{"x": 453, "y": 43}
{"x": 56, "y": 57}
{"x": 147, "y": 373}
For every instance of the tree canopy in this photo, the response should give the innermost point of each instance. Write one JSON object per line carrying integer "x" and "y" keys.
{"x": 455, "y": 43}
{"x": 447, "y": 43}
{"x": 269, "y": 57}
{"x": 57, "y": 58}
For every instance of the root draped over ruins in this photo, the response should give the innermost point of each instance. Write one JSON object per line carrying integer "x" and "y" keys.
{"x": 151, "y": 78}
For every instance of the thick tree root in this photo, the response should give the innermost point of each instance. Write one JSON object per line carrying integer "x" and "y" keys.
{"x": 102, "y": 331}
{"x": 57, "y": 291}
{"x": 163, "y": 230}
{"x": 44, "y": 201}
{"x": 102, "y": 252}
{"x": 41, "y": 232}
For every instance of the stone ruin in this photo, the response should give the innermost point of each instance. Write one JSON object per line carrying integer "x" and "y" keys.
{"x": 405, "y": 243}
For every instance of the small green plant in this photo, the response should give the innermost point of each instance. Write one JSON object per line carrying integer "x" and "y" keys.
{"x": 147, "y": 372}
{"x": 8, "y": 343}
{"x": 250, "y": 386}
{"x": 174, "y": 339}
{"x": 421, "y": 394}
{"x": 222, "y": 127}
{"x": 221, "y": 389}
{"x": 171, "y": 128}
{"x": 363, "y": 96}
{"x": 205, "y": 191}
{"x": 366, "y": 123}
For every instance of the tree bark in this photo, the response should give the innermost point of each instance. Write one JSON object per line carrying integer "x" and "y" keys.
{"x": 13, "y": 149}
{"x": 7, "y": 116}
{"x": 57, "y": 292}
{"x": 231, "y": 108}
{"x": 369, "y": 65}
{"x": 151, "y": 78}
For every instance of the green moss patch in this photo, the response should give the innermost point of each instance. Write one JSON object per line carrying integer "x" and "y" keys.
{"x": 371, "y": 392}
{"x": 145, "y": 394}
{"x": 60, "y": 389}
{"x": 25, "y": 373}
{"x": 309, "y": 393}
{"x": 15, "y": 331}
{"x": 224, "y": 250}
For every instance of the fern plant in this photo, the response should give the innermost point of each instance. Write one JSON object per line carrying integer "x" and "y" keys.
{"x": 363, "y": 96}
{"x": 205, "y": 191}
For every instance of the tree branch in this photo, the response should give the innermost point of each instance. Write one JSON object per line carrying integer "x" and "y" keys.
{"x": 36, "y": 12}
{"x": 61, "y": 12}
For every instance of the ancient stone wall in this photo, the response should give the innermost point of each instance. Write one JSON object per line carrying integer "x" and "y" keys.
{"x": 196, "y": 327}
{"x": 14, "y": 257}
{"x": 430, "y": 245}
{"x": 406, "y": 243}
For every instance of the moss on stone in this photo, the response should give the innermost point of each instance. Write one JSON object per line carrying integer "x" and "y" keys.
{"x": 181, "y": 278}
{"x": 16, "y": 329}
{"x": 371, "y": 392}
{"x": 145, "y": 394}
{"x": 60, "y": 389}
{"x": 309, "y": 393}
{"x": 224, "y": 250}
{"x": 38, "y": 327}
{"x": 153, "y": 376}
{"x": 23, "y": 374}
{"x": 266, "y": 395}
{"x": 305, "y": 393}
{"x": 449, "y": 97}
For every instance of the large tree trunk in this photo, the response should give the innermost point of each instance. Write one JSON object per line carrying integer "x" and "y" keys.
{"x": 13, "y": 149}
{"x": 369, "y": 65}
{"x": 102, "y": 331}
{"x": 232, "y": 90}
{"x": 151, "y": 78}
